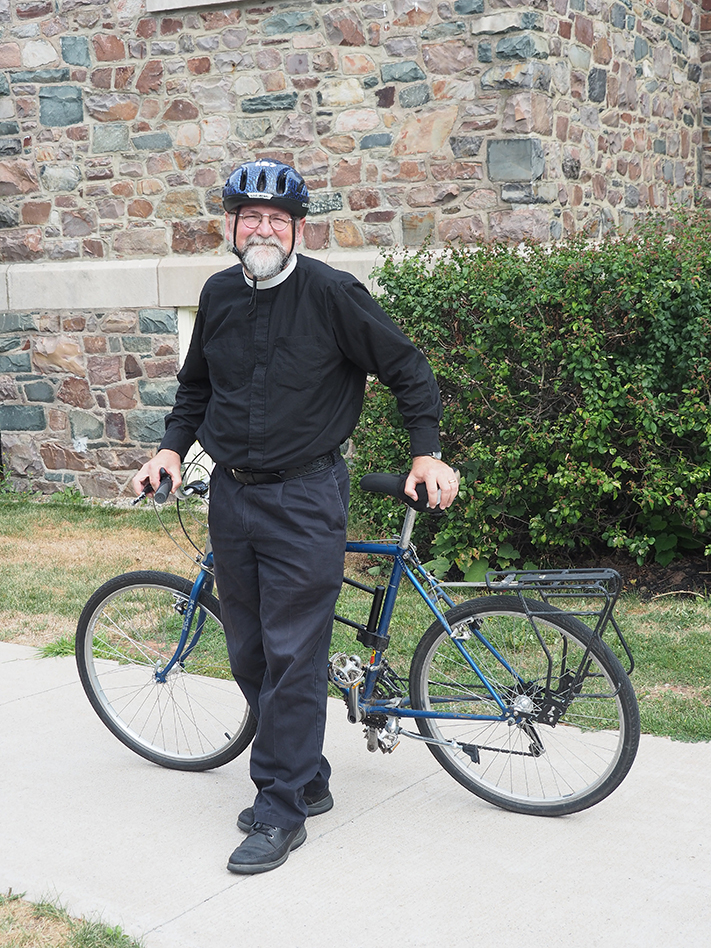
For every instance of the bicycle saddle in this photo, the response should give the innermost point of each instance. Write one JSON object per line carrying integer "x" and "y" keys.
{"x": 394, "y": 486}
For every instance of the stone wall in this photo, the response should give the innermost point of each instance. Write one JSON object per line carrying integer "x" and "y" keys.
{"x": 705, "y": 118}
{"x": 460, "y": 119}
{"x": 83, "y": 396}
{"x": 452, "y": 120}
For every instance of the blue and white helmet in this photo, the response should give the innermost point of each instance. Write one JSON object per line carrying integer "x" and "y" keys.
{"x": 270, "y": 181}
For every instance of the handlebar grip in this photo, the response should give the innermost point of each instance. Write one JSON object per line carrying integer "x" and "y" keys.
{"x": 164, "y": 488}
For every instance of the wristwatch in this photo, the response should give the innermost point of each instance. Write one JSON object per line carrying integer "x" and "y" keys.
{"x": 437, "y": 455}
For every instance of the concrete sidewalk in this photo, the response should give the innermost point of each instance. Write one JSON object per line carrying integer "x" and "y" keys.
{"x": 406, "y": 857}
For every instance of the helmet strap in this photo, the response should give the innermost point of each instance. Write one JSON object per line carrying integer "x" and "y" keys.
{"x": 293, "y": 240}
{"x": 233, "y": 248}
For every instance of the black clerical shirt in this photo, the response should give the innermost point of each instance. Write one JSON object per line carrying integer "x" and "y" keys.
{"x": 274, "y": 379}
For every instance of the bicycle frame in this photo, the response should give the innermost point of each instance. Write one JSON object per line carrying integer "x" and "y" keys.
{"x": 360, "y": 697}
{"x": 405, "y": 563}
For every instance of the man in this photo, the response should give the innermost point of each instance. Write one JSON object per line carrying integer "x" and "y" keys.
{"x": 272, "y": 384}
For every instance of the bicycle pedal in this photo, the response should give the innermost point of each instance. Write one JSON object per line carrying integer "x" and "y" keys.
{"x": 345, "y": 670}
{"x": 389, "y": 736}
{"x": 387, "y": 745}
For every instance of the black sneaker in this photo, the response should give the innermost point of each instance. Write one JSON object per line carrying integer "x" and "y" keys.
{"x": 265, "y": 848}
{"x": 316, "y": 806}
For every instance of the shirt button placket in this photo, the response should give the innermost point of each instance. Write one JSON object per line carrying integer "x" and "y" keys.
{"x": 258, "y": 397}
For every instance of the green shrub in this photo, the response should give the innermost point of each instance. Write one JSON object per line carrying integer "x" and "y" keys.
{"x": 576, "y": 389}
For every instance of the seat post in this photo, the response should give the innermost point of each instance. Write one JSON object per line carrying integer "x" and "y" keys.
{"x": 407, "y": 525}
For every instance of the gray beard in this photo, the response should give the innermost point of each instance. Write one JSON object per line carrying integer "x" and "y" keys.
{"x": 264, "y": 259}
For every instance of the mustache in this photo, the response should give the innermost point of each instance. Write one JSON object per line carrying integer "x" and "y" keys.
{"x": 256, "y": 241}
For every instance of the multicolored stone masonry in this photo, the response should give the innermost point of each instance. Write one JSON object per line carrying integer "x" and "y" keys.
{"x": 83, "y": 397}
{"x": 411, "y": 119}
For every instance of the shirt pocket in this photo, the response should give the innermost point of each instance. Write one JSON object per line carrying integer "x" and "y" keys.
{"x": 225, "y": 357}
{"x": 298, "y": 362}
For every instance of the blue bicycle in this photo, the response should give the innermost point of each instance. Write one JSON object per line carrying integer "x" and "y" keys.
{"x": 515, "y": 692}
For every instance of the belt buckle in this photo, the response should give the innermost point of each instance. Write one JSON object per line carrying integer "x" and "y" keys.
{"x": 251, "y": 478}
{"x": 242, "y": 476}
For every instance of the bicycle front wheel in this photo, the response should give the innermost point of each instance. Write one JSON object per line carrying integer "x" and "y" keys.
{"x": 196, "y": 718}
{"x": 571, "y": 745}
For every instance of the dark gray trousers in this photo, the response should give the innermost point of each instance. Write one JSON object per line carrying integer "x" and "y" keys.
{"x": 279, "y": 551}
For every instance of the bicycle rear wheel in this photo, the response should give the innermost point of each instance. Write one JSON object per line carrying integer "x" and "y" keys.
{"x": 197, "y": 718}
{"x": 545, "y": 764}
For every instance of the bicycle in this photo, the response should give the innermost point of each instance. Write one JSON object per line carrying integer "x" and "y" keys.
{"x": 518, "y": 699}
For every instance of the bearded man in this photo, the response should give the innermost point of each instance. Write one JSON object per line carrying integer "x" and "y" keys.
{"x": 272, "y": 385}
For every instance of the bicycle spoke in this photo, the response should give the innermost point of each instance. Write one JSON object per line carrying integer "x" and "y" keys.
{"x": 193, "y": 718}
{"x": 555, "y": 750}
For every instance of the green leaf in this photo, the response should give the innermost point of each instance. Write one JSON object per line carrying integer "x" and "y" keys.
{"x": 477, "y": 571}
{"x": 664, "y": 558}
{"x": 507, "y": 552}
{"x": 666, "y": 541}
{"x": 439, "y": 566}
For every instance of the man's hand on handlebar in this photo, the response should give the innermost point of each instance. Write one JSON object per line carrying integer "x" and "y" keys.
{"x": 153, "y": 471}
{"x": 437, "y": 477}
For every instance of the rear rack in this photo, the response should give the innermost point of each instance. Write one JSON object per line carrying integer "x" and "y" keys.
{"x": 596, "y": 589}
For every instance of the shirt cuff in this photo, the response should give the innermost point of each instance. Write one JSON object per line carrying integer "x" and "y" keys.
{"x": 423, "y": 441}
{"x": 172, "y": 441}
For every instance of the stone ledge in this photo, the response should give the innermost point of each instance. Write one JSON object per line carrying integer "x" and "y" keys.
{"x": 111, "y": 284}
{"x": 4, "y": 302}
{"x": 157, "y": 6}
{"x": 180, "y": 279}
{"x": 128, "y": 284}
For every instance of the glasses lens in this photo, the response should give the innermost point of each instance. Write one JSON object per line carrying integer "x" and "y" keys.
{"x": 277, "y": 221}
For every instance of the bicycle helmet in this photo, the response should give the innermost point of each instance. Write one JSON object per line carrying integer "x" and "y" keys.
{"x": 265, "y": 180}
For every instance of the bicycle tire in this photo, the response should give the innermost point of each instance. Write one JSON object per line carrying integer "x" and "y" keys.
{"x": 197, "y": 719}
{"x": 533, "y": 767}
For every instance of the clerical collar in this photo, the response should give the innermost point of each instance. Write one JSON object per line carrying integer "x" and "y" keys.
{"x": 275, "y": 281}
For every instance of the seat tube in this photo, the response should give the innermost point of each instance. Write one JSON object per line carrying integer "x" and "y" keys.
{"x": 390, "y": 596}
{"x": 396, "y": 572}
{"x": 383, "y": 626}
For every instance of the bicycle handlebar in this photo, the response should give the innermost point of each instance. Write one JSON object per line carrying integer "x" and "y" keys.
{"x": 376, "y": 483}
{"x": 163, "y": 492}
{"x": 164, "y": 488}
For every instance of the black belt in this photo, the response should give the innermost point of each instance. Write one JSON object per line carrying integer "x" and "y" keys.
{"x": 275, "y": 477}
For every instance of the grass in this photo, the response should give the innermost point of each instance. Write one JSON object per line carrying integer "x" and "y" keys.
{"x": 46, "y": 924}
{"x": 670, "y": 641}
{"x": 55, "y": 555}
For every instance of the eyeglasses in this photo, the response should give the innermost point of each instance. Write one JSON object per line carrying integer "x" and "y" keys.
{"x": 277, "y": 222}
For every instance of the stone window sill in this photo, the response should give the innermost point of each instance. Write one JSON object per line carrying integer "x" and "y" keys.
{"x": 158, "y": 6}
{"x": 168, "y": 281}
